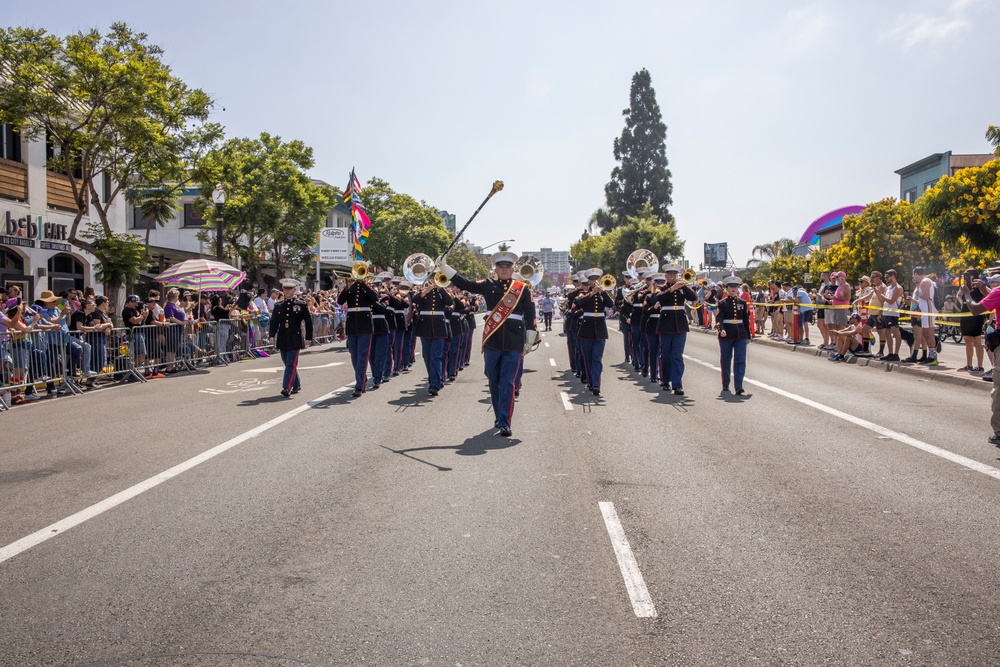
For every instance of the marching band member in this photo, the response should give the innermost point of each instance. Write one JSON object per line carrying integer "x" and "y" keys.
{"x": 733, "y": 323}
{"x": 569, "y": 325}
{"x": 590, "y": 309}
{"x": 431, "y": 325}
{"x": 651, "y": 318}
{"x": 639, "y": 360}
{"x": 359, "y": 299}
{"x": 285, "y": 328}
{"x": 508, "y": 333}
{"x": 454, "y": 348}
{"x": 406, "y": 348}
{"x": 398, "y": 303}
{"x": 380, "y": 331}
{"x": 673, "y": 329}
{"x": 624, "y": 310}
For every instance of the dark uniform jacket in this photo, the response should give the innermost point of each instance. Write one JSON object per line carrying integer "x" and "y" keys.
{"x": 430, "y": 317}
{"x": 398, "y": 304}
{"x": 650, "y": 313}
{"x": 510, "y": 336}
{"x": 624, "y": 307}
{"x": 590, "y": 310}
{"x": 639, "y": 314}
{"x": 733, "y": 317}
{"x": 359, "y": 298}
{"x": 673, "y": 318}
{"x": 569, "y": 320}
{"x": 381, "y": 316}
{"x": 286, "y": 324}
{"x": 471, "y": 312}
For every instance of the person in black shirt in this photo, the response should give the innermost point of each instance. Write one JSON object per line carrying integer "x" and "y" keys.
{"x": 672, "y": 328}
{"x": 431, "y": 306}
{"x": 360, "y": 298}
{"x": 590, "y": 307}
{"x": 733, "y": 323}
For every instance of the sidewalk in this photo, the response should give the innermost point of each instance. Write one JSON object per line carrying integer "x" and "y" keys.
{"x": 951, "y": 358}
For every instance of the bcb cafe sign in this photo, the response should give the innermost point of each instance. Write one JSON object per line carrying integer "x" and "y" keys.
{"x": 26, "y": 230}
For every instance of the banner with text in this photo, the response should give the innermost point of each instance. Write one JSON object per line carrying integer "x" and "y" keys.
{"x": 335, "y": 246}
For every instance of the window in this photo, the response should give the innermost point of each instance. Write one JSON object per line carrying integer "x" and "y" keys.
{"x": 10, "y": 143}
{"x": 191, "y": 217}
{"x": 141, "y": 221}
{"x": 106, "y": 194}
{"x": 910, "y": 195}
{"x": 53, "y": 151}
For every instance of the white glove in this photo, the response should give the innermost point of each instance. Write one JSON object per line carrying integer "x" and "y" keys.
{"x": 529, "y": 340}
{"x": 448, "y": 272}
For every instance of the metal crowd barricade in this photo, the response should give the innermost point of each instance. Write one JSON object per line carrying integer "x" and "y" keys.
{"x": 232, "y": 340}
{"x": 147, "y": 349}
{"x": 324, "y": 327}
{"x": 256, "y": 339}
{"x": 25, "y": 364}
{"x": 97, "y": 355}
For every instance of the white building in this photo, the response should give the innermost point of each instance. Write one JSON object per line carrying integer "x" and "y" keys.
{"x": 36, "y": 214}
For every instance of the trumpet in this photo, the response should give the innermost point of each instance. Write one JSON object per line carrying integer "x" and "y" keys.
{"x": 608, "y": 282}
{"x": 688, "y": 275}
{"x": 361, "y": 271}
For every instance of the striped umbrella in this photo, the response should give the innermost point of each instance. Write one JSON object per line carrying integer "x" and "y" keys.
{"x": 210, "y": 281}
{"x": 204, "y": 275}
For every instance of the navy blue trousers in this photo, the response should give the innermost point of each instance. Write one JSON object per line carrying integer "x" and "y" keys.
{"x": 380, "y": 349}
{"x": 433, "y": 351}
{"x": 290, "y": 358}
{"x": 453, "y": 353}
{"x": 571, "y": 345}
{"x": 638, "y": 347}
{"x": 672, "y": 358}
{"x": 501, "y": 369}
{"x": 360, "y": 347}
{"x": 653, "y": 355}
{"x": 733, "y": 354}
{"x": 593, "y": 360}
{"x": 626, "y": 330}
{"x": 397, "y": 351}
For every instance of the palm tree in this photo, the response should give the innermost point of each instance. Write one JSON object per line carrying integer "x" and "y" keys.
{"x": 769, "y": 251}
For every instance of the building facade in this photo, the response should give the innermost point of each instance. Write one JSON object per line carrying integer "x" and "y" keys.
{"x": 37, "y": 210}
{"x": 556, "y": 263}
{"x": 916, "y": 178}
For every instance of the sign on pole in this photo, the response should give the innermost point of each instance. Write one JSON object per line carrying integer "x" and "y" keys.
{"x": 716, "y": 255}
{"x": 335, "y": 246}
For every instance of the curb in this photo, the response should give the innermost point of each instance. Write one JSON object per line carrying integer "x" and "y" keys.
{"x": 917, "y": 371}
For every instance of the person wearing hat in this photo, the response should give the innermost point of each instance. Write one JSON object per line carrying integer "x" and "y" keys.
{"x": 650, "y": 320}
{"x": 359, "y": 299}
{"x": 383, "y": 319}
{"x": 733, "y": 324}
{"x": 285, "y": 329}
{"x": 508, "y": 334}
{"x": 672, "y": 328}
{"x": 624, "y": 309}
{"x": 639, "y": 360}
{"x": 431, "y": 307}
{"x": 570, "y": 323}
{"x": 590, "y": 308}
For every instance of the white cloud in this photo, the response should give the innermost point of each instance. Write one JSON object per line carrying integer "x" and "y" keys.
{"x": 805, "y": 27}
{"x": 955, "y": 20}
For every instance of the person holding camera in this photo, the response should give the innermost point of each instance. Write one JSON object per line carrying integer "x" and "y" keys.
{"x": 971, "y": 325}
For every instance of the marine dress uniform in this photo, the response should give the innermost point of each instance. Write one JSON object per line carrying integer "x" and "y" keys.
{"x": 508, "y": 333}
{"x": 673, "y": 329}
{"x": 285, "y": 328}
{"x": 359, "y": 298}
{"x": 733, "y": 323}
{"x": 624, "y": 309}
{"x": 569, "y": 325}
{"x": 593, "y": 332}
{"x": 431, "y": 325}
{"x": 399, "y": 304}
{"x": 639, "y": 359}
{"x": 381, "y": 337}
{"x": 651, "y": 319}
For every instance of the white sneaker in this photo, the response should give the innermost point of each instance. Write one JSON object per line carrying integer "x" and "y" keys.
{"x": 31, "y": 398}
{"x": 90, "y": 374}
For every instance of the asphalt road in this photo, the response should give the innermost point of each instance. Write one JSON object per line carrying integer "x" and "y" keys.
{"x": 836, "y": 515}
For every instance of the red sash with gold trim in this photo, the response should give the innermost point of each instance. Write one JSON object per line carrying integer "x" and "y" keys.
{"x": 499, "y": 314}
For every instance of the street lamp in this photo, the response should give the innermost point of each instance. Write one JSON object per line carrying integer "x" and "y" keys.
{"x": 219, "y": 197}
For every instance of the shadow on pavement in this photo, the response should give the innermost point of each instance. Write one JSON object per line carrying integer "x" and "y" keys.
{"x": 476, "y": 445}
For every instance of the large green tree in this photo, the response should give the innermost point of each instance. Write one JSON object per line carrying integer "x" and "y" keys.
{"x": 401, "y": 226}
{"x": 642, "y": 175}
{"x": 273, "y": 211}
{"x": 107, "y": 105}
{"x": 609, "y": 251}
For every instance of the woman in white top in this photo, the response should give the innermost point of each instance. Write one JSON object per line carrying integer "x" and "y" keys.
{"x": 923, "y": 297}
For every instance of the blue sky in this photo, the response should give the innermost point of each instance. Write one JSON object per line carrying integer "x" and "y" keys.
{"x": 776, "y": 111}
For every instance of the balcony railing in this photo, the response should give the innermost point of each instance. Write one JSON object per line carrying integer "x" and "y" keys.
{"x": 13, "y": 180}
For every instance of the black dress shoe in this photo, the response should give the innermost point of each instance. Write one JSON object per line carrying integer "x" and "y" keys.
{"x": 678, "y": 392}
{"x": 725, "y": 389}
{"x": 284, "y": 392}
{"x": 296, "y": 390}
{"x": 375, "y": 385}
{"x": 505, "y": 432}
{"x": 432, "y": 391}
{"x": 357, "y": 392}
{"x": 597, "y": 392}
{"x": 517, "y": 393}
{"x": 644, "y": 372}
{"x": 740, "y": 392}
{"x": 395, "y": 373}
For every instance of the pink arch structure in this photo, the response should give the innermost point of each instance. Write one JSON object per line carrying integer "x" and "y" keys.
{"x": 811, "y": 235}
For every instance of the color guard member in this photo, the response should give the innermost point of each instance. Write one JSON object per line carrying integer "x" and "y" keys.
{"x": 285, "y": 328}
{"x": 733, "y": 323}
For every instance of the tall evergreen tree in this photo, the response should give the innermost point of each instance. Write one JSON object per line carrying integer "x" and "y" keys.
{"x": 642, "y": 175}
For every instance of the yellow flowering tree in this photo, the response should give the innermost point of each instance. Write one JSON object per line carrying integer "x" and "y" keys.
{"x": 886, "y": 235}
{"x": 965, "y": 208}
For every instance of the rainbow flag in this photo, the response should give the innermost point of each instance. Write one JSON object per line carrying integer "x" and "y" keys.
{"x": 360, "y": 222}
